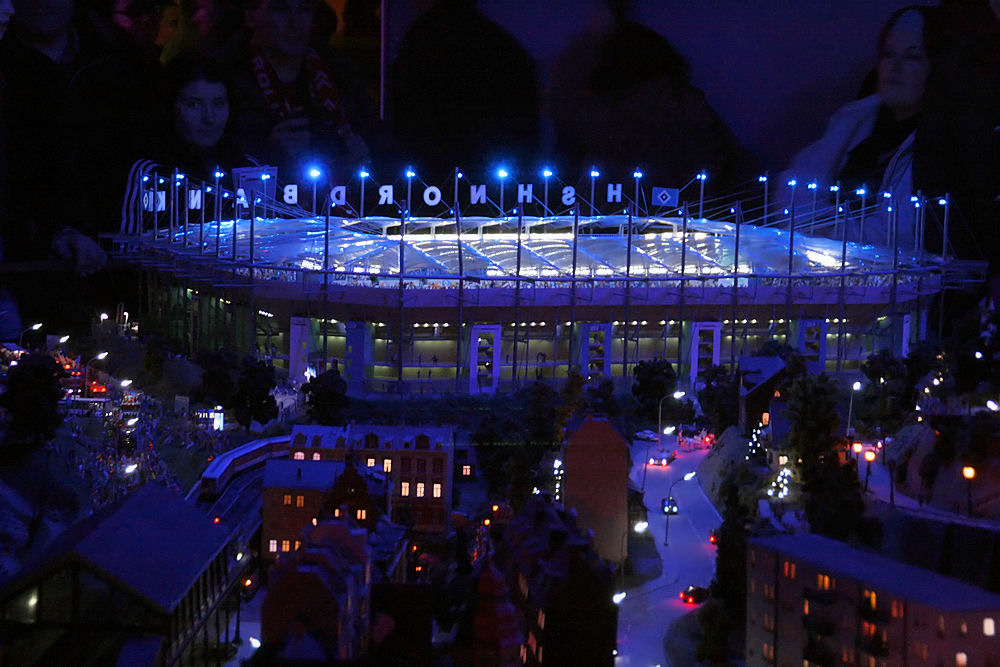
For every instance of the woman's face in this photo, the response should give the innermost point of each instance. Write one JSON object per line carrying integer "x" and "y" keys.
{"x": 201, "y": 113}
{"x": 283, "y": 26}
{"x": 903, "y": 66}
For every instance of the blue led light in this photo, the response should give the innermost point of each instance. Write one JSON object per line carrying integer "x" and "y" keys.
{"x": 145, "y": 179}
{"x": 265, "y": 177}
{"x": 861, "y": 192}
{"x": 812, "y": 186}
{"x": 792, "y": 183}
{"x": 314, "y": 173}
{"x": 410, "y": 173}
{"x": 702, "y": 176}
{"x": 834, "y": 188}
{"x": 459, "y": 175}
{"x": 363, "y": 174}
{"x": 594, "y": 173}
{"x": 886, "y": 195}
{"x": 219, "y": 174}
{"x": 637, "y": 174}
{"x": 547, "y": 173}
{"x": 502, "y": 173}
{"x": 762, "y": 179}
{"x": 942, "y": 202}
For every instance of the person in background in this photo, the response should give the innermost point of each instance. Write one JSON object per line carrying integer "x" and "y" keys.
{"x": 46, "y": 46}
{"x": 957, "y": 147}
{"x": 297, "y": 103}
{"x": 463, "y": 92}
{"x": 196, "y": 100}
{"x": 621, "y": 96}
{"x": 868, "y": 143}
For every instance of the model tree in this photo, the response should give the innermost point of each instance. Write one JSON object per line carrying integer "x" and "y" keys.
{"x": 253, "y": 400}
{"x": 326, "y": 397}
{"x": 31, "y": 400}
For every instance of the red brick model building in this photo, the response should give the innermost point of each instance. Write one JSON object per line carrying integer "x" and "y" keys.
{"x": 318, "y": 599}
{"x": 815, "y": 601}
{"x": 417, "y": 459}
{"x": 595, "y": 484}
{"x": 561, "y": 588}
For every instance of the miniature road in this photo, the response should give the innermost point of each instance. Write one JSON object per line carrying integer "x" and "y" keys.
{"x": 648, "y": 609}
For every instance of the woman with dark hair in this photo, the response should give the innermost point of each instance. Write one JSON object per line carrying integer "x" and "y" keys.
{"x": 869, "y": 142}
{"x": 196, "y": 102}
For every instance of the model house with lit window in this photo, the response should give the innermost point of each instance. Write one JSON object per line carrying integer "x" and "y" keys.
{"x": 318, "y": 601}
{"x": 293, "y": 496}
{"x": 815, "y": 601}
{"x": 417, "y": 459}
{"x": 560, "y": 586}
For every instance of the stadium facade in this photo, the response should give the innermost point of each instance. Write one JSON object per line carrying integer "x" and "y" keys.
{"x": 451, "y": 303}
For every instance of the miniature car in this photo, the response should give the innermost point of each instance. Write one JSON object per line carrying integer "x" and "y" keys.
{"x": 694, "y": 594}
{"x": 669, "y": 505}
{"x": 646, "y": 435}
{"x": 663, "y": 459}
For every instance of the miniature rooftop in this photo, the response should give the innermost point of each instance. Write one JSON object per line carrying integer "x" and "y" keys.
{"x": 354, "y": 435}
{"x": 151, "y": 531}
{"x": 289, "y": 474}
{"x": 489, "y": 247}
{"x": 884, "y": 574}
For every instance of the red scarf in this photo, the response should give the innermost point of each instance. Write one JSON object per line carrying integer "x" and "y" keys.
{"x": 280, "y": 96}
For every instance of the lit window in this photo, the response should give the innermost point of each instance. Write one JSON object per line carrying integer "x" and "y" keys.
{"x": 768, "y": 651}
{"x": 868, "y": 629}
{"x": 420, "y": 489}
{"x": 297, "y": 544}
{"x": 287, "y": 499}
{"x": 466, "y": 471}
{"x": 988, "y": 628}
{"x": 386, "y": 465}
{"x": 789, "y": 570}
{"x": 963, "y": 628}
{"x": 361, "y": 514}
{"x": 961, "y": 660}
{"x": 846, "y": 654}
{"x": 286, "y": 545}
{"x": 805, "y": 607}
{"x": 272, "y": 545}
{"x": 897, "y": 609}
{"x": 870, "y": 598}
{"x": 541, "y": 619}
{"x": 404, "y": 488}
{"x": 315, "y": 456}
{"x": 371, "y": 462}
{"x": 299, "y": 456}
{"x": 824, "y": 582}
{"x": 336, "y": 513}
{"x": 437, "y": 491}
{"x": 782, "y": 460}
{"x": 300, "y": 501}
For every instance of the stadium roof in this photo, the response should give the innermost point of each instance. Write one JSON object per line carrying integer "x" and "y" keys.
{"x": 431, "y": 246}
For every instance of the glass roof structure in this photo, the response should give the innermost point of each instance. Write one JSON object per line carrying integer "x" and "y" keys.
{"x": 488, "y": 247}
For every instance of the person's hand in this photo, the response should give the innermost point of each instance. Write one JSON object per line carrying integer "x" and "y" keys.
{"x": 292, "y": 136}
{"x": 83, "y": 251}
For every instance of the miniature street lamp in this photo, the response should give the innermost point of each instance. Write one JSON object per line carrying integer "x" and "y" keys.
{"x": 34, "y": 327}
{"x": 869, "y": 457}
{"x": 856, "y": 387}
{"x": 639, "y": 527}
{"x": 969, "y": 473}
